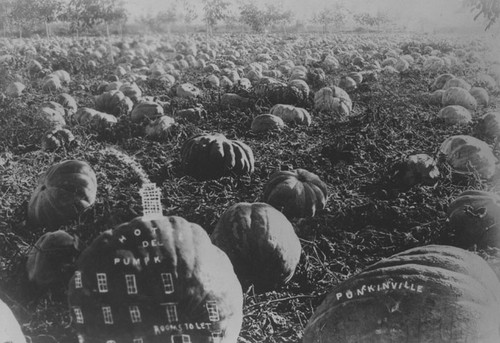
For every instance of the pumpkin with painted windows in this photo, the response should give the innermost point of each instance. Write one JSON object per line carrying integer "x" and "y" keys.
{"x": 434, "y": 293}
{"x": 155, "y": 279}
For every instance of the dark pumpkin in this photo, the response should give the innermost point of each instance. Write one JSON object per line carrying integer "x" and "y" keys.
{"x": 426, "y": 294}
{"x": 63, "y": 193}
{"x": 114, "y": 102}
{"x": 297, "y": 193}
{"x": 207, "y": 157}
{"x": 160, "y": 280}
{"x": 260, "y": 242}
{"x": 474, "y": 217}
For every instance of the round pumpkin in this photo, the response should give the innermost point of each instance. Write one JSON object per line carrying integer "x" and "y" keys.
{"x": 260, "y": 242}
{"x": 459, "y": 96}
{"x": 333, "y": 100}
{"x": 63, "y": 193}
{"x": 481, "y": 96}
{"x": 292, "y": 114}
{"x": 10, "y": 330}
{"x": 467, "y": 154}
{"x": 426, "y": 294}
{"x": 58, "y": 138}
{"x": 68, "y": 103}
{"x": 155, "y": 280}
{"x": 297, "y": 193}
{"x": 455, "y": 115}
{"x": 113, "y": 102}
{"x": 440, "y": 81}
{"x": 267, "y": 122}
{"x": 208, "y": 157}
{"x": 489, "y": 125}
{"x": 52, "y": 258}
{"x": 474, "y": 217}
{"x": 146, "y": 109}
{"x": 188, "y": 90}
{"x": 95, "y": 119}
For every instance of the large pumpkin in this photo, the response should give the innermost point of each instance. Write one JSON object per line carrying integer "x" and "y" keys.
{"x": 467, "y": 154}
{"x": 63, "y": 192}
{"x": 207, "y": 156}
{"x": 89, "y": 117}
{"x": 297, "y": 193}
{"x": 146, "y": 109}
{"x": 266, "y": 123}
{"x": 455, "y": 115}
{"x": 155, "y": 280}
{"x": 474, "y": 217}
{"x": 489, "y": 125}
{"x": 260, "y": 242}
{"x": 427, "y": 294}
{"x": 10, "y": 331}
{"x": 459, "y": 96}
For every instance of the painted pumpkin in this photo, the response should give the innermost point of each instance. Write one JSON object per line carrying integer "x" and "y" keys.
{"x": 467, "y": 154}
{"x": 455, "y": 115}
{"x": 10, "y": 330}
{"x": 297, "y": 193}
{"x": 260, "y": 242}
{"x": 63, "y": 193}
{"x": 52, "y": 258}
{"x": 146, "y": 109}
{"x": 267, "y": 122}
{"x": 474, "y": 217}
{"x": 426, "y": 294}
{"x": 459, "y": 96}
{"x": 91, "y": 118}
{"x": 333, "y": 100}
{"x": 155, "y": 280}
{"x": 114, "y": 102}
{"x": 207, "y": 157}
{"x": 292, "y": 114}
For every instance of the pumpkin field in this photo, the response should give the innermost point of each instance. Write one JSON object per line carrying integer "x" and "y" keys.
{"x": 337, "y": 151}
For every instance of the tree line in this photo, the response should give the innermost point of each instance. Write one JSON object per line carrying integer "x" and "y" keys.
{"x": 25, "y": 15}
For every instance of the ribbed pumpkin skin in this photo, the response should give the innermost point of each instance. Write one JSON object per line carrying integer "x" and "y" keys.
{"x": 145, "y": 249}
{"x": 297, "y": 193}
{"x": 432, "y": 294}
{"x": 63, "y": 192}
{"x": 114, "y": 102}
{"x": 475, "y": 218}
{"x": 260, "y": 242}
{"x": 207, "y": 157}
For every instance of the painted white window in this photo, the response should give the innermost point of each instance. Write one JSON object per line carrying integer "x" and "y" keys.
{"x": 131, "y": 284}
{"x": 135, "y": 314}
{"x": 108, "y": 316}
{"x": 181, "y": 339}
{"x": 217, "y": 336}
{"x": 168, "y": 282}
{"x": 78, "y": 315}
{"x": 102, "y": 282}
{"x": 78, "y": 279}
{"x": 213, "y": 311}
{"x": 171, "y": 310}
{"x": 138, "y": 340}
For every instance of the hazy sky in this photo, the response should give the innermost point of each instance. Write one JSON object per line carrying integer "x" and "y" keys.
{"x": 434, "y": 12}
